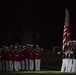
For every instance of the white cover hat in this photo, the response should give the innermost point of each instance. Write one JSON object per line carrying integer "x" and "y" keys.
{"x": 37, "y": 45}
{"x": 16, "y": 47}
{"x": 7, "y": 47}
{"x": 28, "y": 44}
{"x": 23, "y": 46}
{"x": 31, "y": 45}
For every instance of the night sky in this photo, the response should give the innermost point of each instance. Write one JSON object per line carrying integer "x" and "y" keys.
{"x": 46, "y": 17}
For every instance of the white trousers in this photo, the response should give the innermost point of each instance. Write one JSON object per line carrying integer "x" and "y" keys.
{"x": 31, "y": 64}
{"x": 64, "y": 67}
{"x": 23, "y": 64}
{"x": 37, "y": 64}
{"x": 19, "y": 65}
{"x": 11, "y": 65}
{"x": 16, "y": 65}
{"x": 7, "y": 65}
{"x": 0, "y": 65}
{"x": 70, "y": 65}
{"x": 74, "y": 65}
{"x": 27, "y": 66}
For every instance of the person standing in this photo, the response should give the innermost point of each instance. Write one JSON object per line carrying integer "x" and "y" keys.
{"x": 31, "y": 58}
{"x": 63, "y": 62}
{"x": 70, "y": 57}
{"x": 16, "y": 58}
{"x": 64, "y": 67}
{"x": 10, "y": 60}
{"x": 27, "y": 56}
{"x": 20, "y": 62}
{"x": 74, "y": 58}
{"x": 37, "y": 57}
{"x": 22, "y": 58}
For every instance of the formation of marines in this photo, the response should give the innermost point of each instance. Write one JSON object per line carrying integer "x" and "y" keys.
{"x": 69, "y": 58}
{"x": 20, "y": 57}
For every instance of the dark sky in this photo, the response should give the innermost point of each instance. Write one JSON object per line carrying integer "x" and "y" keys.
{"x": 45, "y": 17}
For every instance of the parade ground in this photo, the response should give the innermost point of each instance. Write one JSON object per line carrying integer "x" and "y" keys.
{"x": 36, "y": 73}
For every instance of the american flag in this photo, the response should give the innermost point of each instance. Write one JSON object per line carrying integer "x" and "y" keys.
{"x": 66, "y": 33}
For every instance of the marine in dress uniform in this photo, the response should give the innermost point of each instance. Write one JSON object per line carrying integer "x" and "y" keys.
{"x": 27, "y": 56}
{"x": 70, "y": 57}
{"x": 22, "y": 58}
{"x": 16, "y": 58}
{"x": 74, "y": 58}
{"x": 10, "y": 60}
{"x": 37, "y": 57}
{"x": 31, "y": 58}
{"x": 64, "y": 67}
{"x": 20, "y": 63}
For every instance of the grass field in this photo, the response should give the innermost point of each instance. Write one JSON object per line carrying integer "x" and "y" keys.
{"x": 36, "y": 73}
